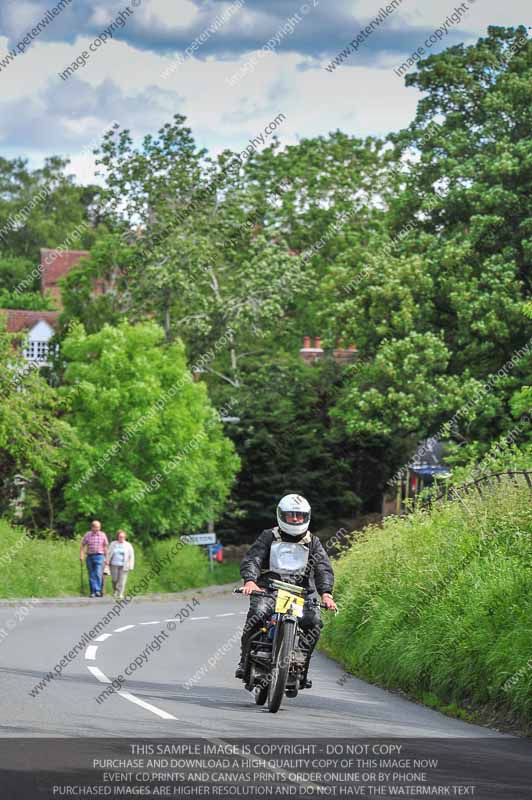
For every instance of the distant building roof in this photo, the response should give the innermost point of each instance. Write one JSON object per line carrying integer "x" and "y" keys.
{"x": 18, "y": 320}
{"x": 55, "y": 264}
{"x": 310, "y": 353}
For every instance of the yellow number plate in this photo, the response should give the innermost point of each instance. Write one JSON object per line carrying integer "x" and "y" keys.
{"x": 286, "y": 602}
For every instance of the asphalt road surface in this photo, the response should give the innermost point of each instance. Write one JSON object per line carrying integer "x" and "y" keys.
{"x": 158, "y": 699}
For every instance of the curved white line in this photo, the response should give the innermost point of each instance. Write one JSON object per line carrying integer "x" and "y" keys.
{"x": 102, "y": 677}
{"x": 90, "y": 654}
{"x": 156, "y": 622}
{"x": 148, "y": 706}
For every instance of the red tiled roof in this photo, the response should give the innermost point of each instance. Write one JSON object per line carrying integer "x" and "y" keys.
{"x": 25, "y": 320}
{"x": 58, "y": 266}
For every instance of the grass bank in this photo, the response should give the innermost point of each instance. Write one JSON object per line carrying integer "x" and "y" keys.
{"x": 439, "y": 605}
{"x": 51, "y": 568}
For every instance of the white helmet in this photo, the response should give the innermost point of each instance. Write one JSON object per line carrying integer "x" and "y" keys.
{"x": 290, "y": 506}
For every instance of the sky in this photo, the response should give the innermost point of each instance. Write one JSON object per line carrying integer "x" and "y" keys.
{"x": 231, "y": 67}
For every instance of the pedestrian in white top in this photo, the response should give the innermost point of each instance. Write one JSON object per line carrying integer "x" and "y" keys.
{"x": 121, "y": 559}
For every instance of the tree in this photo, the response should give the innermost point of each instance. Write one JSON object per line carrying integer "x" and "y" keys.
{"x": 151, "y": 453}
{"x": 33, "y": 436}
{"x": 472, "y": 135}
{"x": 289, "y": 442}
{"x": 40, "y": 208}
{"x": 32, "y": 301}
{"x": 198, "y": 258}
{"x": 434, "y": 300}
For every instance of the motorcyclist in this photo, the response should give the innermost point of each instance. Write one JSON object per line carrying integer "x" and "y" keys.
{"x": 305, "y": 563}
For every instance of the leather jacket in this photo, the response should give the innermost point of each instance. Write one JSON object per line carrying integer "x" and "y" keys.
{"x": 318, "y": 575}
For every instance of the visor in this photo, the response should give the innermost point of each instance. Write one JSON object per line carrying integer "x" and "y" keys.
{"x": 295, "y": 517}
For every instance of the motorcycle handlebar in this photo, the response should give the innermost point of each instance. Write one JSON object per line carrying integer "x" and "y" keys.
{"x": 265, "y": 591}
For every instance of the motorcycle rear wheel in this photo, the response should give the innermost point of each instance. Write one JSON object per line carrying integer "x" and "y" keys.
{"x": 281, "y": 667}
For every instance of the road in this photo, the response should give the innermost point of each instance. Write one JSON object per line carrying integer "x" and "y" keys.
{"x": 156, "y": 701}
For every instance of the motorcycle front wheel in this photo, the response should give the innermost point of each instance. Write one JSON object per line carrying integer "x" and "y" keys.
{"x": 261, "y": 694}
{"x": 281, "y": 667}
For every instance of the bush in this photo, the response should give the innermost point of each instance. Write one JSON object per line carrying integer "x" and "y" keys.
{"x": 439, "y": 603}
{"x": 50, "y": 568}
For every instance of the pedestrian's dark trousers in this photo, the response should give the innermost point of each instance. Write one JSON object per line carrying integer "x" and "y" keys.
{"x": 95, "y": 562}
{"x": 262, "y": 607}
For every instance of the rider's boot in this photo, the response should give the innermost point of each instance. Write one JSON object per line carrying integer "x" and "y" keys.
{"x": 304, "y": 682}
{"x": 241, "y": 666}
{"x": 307, "y": 644}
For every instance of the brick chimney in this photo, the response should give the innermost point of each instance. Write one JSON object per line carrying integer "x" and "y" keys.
{"x": 309, "y": 353}
{"x": 343, "y": 356}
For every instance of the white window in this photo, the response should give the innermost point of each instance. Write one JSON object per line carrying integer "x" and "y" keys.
{"x": 38, "y": 351}
{"x": 37, "y": 347}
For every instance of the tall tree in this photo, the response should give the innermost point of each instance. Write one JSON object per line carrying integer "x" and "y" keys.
{"x": 197, "y": 257}
{"x": 434, "y": 302}
{"x": 33, "y": 437}
{"x": 151, "y": 454}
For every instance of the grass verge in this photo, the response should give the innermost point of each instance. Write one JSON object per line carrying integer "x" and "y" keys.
{"x": 438, "y": 604}
{"x": 51, "y": 568}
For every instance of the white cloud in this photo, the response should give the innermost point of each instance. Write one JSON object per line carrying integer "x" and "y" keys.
{"x": 41, "y": 114}
{"x": 358, "y": 100}
{"x": 479, "y": 14}
{"x": 175, "y": 16}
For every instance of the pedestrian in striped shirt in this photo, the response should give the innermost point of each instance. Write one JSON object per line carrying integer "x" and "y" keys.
{"x": 95, "y": 545}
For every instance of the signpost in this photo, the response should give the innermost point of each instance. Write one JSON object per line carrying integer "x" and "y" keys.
{"x": 208, "y": 539}
{"x": 199, "y": 538}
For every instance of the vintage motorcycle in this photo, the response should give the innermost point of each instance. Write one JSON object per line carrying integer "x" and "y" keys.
{"x": 274, "y": 663}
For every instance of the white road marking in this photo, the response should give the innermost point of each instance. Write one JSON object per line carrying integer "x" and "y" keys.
{"x": 99, "y": 674}
{"x": 156, "y": 622}
{"x": 90, "y": 652}
{"x": 147, "y": 706}
{"x": 231, "y": 614}
{"x": 192, "y": 618}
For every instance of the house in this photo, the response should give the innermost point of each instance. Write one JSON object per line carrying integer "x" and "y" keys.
{"x": 56, "y": 264}
{"x": 311, "y": 352}
{"x": 426, "y": 466}
{"x": 36, "y": 328}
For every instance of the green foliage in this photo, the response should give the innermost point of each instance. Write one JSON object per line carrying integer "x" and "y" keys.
{"x": 32, "y": 432}
{"x": 16, "y": 272}
{"x": 289, "y": 442}
{"x": 441, "y": 603}
{"x": 30, "y": 301}
{"x": 188, "y": 568}
{"x": 404, "y": 391}
{"x": 108, "y": 260}
{"x": 434, "y": 298}
{"x": 200, "y": 261}
{"x": 40, "y": 208}
{"x": 151, "y": 455}
{"x": 416, "y": 248}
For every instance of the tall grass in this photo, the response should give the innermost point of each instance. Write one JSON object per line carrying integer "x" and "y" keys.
{"x": 439, "y": 604}
{"x": 51, "y": 568}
